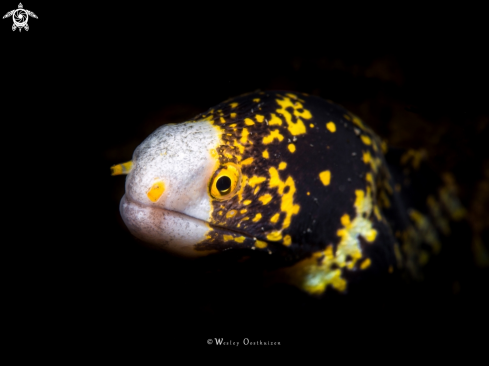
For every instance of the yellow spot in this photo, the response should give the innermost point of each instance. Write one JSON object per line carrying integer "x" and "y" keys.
{"x": 365, "y": 264}
{"x": 366, "y": 140}
{"x": 257, "y": 217}
{"x": 226, "y": 238}
{"x": 256, "y": 100}
{"x": 244, "y": 210}
{"x": 247, "y": 161}
{"x": 265, "y": 154}
{"x": 239, "y": 239}
{"x": 254, "y": 180}
{"x": 282, "y": 166}
{"x": 249, "y": 122}
{"x": 231, "y": 213}
{"x": 222, "y": 120}
{"x": 295, "y": 128}
{"x": 256, "y": 190}
{"x": 287, "y": 240}
{"x": 219, "y": 213}
{"x": 311, "y": 125}
{"x": 308, "y": 193}
{"x": 274, "y": 236}
{"x": 120, "y": 169}
{"x": 233, "y": 115}
{"x": 246, "y": 202}
{"x": 275, "y": 134}
{"x": 265, "y": 198}
{"x": 275, "y": 218}
{"x": 377, "y": 213}
{"x": 260, "y": 244}
{"x": 287, "y": 205}
{"x": 213, "y": 153}
{"x": 244, "y": 136}
{"x": 291, "y": 148}
{"x": 345, "y": 220}
{"x": 325, "y": 177}
{"x": 233, "y": 105}
{"x": 347, "y": 117}
{"x": 156, "y": 191}
{"x": 275, "y": 121}
{"x": 331, "y": 126}
{"x": 259, "y": 118}
{"x": 368, "y": 178}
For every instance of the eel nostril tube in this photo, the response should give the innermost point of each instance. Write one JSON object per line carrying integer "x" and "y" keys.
{"x": 121, "y": 169}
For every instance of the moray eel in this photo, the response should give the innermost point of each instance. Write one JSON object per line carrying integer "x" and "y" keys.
{"x": 293, "y": 179}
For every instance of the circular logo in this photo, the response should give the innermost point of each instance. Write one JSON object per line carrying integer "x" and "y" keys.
{"x": 209, "y": 341}
{"x": 20, "y": 17}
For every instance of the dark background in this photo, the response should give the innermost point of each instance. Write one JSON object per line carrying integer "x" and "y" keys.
{"x": 86, "y": 85}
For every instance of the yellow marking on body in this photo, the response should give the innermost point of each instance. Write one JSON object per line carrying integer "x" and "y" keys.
{"x": 275, "y": 218}
{"x": 368, "y": 178}
{"x": 295, "y": 128}
{"x": 275, "y": 134}
{"x": 239, "y": 239}
{"x": 239, "y": 146}
{"x": 257, "y": 217}
{"x": 259, "y": 118}
{"x": 291, "y": 148}
{"x": 274, "y": 236}
{"x": 311, "y": 125}
{"x": 214, "y": 153}
{"x": 254, "y": 180}
{"x": 366, "y": 140}
{"x": 325, "y": 177}
{"x": 226, "y": 238}
{"x": 156, "y": 191}
{"x": 313, "y": 276}
{"x": 331, "y": 126}
{"x": 120, "y": 169}
{"x": 247, "y": 161}
{"x": 260, "y": 244}
{"x": 244, "y": 210}
{"x": 265, "y": 198}
{"x": 275, "y": 121}
{"x": 265, "y": 154}
{"x": 358, "y": 122}
{"x": 244, "y": 136}
{"x": 222, "y": 120}
{"x": 233, "y": 105}
{"x": 231, "y": 213}
{"x": 247, "y": 202}
{"x": 256, "y": 100}
{"x": 377, "y": 213}
{"x": 365, "y": 264}
{"x": 308, "y": 193}
{"x": 287, "y": 205}
{"x": 287, "y": 240}
{"x": 233, "y": 115}
{"x": 219, "y": 213}
{"x": 282, "y": 166}
{"x": 249, "y": 122}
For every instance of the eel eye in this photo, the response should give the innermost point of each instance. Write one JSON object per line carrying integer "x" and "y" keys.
{"x": 225, "y": 182}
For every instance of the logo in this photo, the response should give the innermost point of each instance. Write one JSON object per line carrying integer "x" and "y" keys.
{"x": 20, "y": 17}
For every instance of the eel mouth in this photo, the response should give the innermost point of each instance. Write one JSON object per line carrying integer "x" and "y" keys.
{"x": 169, "y": 230}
